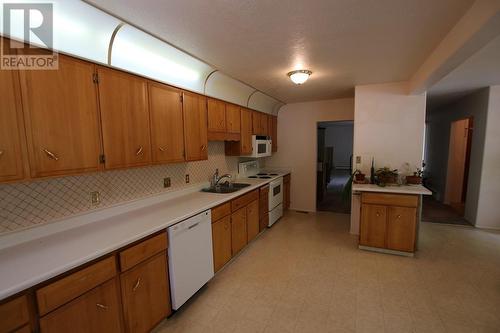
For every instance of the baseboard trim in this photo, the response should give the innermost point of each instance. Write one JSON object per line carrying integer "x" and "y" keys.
{"x": 386, "y": 251}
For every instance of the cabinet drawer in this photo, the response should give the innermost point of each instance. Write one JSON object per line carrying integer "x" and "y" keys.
{"x": 74, "y": 285}
{"x": 221, "y": 211}
{"x": 390, "y": 199}
{"x": 142, "y": 251}
{"x": 95, "y": 311}
{"x": 244, "y": 200}
{"x": 14, "y": 314}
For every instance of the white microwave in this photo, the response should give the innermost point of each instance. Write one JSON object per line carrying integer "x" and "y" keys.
{"x": 261, "y": 146}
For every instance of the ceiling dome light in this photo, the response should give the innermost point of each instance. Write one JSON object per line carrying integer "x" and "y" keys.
{"x": 300, "y": 76}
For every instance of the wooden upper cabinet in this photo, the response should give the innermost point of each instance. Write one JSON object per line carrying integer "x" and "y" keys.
{"x": 167, "y": 128}
{"x": 264, "y": 124}
{"x": 125, "y": 119}
{"x": 233, "y": 118}
{"x": 216, "y": 115}
{"x": 246, "y": 132}
{"x": 273, "y": 132}
{"x": 62, "y": 119}
{"x": 11, "y": 128}
{"x": 256, "y": 125}
{"x": 195, "y": 126}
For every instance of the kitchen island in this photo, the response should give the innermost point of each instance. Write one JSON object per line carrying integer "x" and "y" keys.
{"x": 387, "y": 217}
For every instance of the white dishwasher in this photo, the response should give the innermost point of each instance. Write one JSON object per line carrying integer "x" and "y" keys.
{"x": 190, "y": 257}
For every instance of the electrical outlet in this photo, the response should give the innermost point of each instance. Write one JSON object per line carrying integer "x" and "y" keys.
{"x": 95, "y": 198}
{"x": 358, "y": 159}
{"x": 166, "y": 182}
{"x": 187, "y": 179}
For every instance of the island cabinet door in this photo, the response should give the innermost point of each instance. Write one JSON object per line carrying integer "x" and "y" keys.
{"x": 221, "y": 241}
{"x": 95, "y": 311}
{"x": 145, "y": 294}
{"x": 401, "y": 228}
{"x": 373, "y": 227}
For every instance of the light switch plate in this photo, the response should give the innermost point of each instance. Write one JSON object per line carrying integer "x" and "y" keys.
{"x": 187, "y": 179}
{"x": 166, "y": 182}
{"x": 95, "y": 198}
{"x": 358, "y": 159}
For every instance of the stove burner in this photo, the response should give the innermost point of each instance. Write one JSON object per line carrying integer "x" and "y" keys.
{"x": 262, "y": 174}
{"x": 252, "y": 177}
{"x": 264, "y": 177}
{"x": 273, "y": 174}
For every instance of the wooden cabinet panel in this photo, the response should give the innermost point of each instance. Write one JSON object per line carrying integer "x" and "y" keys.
{"x": 390, "y": 199}
{"x": 256, "y": 125}
{"x": 221, "y": 211}
{"x": 263, "y": 200}
{"x": 401, "y": 228}
{"x": 246, "y": 132}
{"x": 24, "y": 329}
{"x": 221, "y": 242}
{"x": 264, "y": 124}
{"x": 145, "y": 294}
{"x": 74, "y": 285}
{"x": 373, "y": 227}
{"x": 239, "y": 230}
{"x": 252, "y": 220}
{"x": 142, "y": 251}
{"x": 233, "y": 116}
{"x": 95, "y": 311}
{"x": 62, "y": 119}
{"x": 216, "y": 115}
{"x": 244, "y": 200}
{"x": 14, "y": 314}
{"x": 125, "y": 119}
{"x": 273, "y": 132}
{"x": 167, "y": 124}
{"x": 195, "y": 126}
{"x": 11, "y": 127}
{"x": 264, "y": 221}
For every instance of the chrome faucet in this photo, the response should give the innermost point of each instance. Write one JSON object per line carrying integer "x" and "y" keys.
{"x": 216, "y": 178}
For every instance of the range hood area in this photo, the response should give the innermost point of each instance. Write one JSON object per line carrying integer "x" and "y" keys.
{"x": 86, "y": 32}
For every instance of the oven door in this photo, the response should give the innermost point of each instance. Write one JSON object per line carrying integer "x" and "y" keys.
{"x": 275, "y": 193}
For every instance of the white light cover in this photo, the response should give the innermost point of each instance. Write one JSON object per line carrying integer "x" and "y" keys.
{"x": 228, "y": 89}
{"x": 299, "y": 77}
{"x": 138, "y": 52}
{"x": 79, "y": 29}
{"x": 262, "y": 102}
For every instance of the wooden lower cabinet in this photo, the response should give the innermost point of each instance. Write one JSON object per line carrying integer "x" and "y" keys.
{"x": 221, "y": 242}
{"x": 145, "y": 294}
{"x": 388, "y": 221}
{"x": 14, "y": 314}
{"x": 401, "y": 228}
{"x": 252, "y": 220}
{"x": 95, "y": 311}
{"x": 373, "y": 225}
{"x": 239, "y": 238}
{"x": 286, "y": 191}
{"x": 263, "y": 221}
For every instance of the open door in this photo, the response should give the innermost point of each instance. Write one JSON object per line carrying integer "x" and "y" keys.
{"x": 458, "y": 164}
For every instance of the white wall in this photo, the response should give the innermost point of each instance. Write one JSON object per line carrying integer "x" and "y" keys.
{"x": 340, "y": 137}
{"x": 389, "y": 126}
{"x": 488, "y": 212}
{"x": 297, "y": 144}
{"x": 437, "y": 144}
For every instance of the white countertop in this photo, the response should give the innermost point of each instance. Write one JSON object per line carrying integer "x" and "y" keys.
{"x": 38, "y": 254}
{"x": 403, "y": 189}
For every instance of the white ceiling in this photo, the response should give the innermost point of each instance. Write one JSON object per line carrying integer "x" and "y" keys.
{"x": 344, "y": 42}
{"x": 479, "y": 71}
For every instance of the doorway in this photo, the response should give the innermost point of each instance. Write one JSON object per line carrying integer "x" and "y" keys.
{"x": 451, "y": 208}
{"x": 334, "y": 165}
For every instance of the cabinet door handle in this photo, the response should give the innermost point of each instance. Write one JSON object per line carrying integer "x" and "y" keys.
{"x": 203, "y": 147}
{"x": 137, "y": 284}
{"x": 51, "y": 155}
{"x": 102, "y": 306}
{"x": 378, "y": 214}
{"x": 226, "y": 226}
{"x": 162, "y": 148}
{"x": 139, "y": 151}
{"x": 398, "y": 216}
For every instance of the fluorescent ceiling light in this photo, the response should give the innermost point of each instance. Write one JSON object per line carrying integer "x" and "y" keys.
{"x": 299, "y": 76}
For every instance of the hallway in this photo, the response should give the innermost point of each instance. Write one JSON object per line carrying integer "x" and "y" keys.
{"x": 333, "y": 201}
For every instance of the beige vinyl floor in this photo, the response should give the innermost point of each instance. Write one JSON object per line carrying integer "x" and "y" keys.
{"x": 306, "y": 274}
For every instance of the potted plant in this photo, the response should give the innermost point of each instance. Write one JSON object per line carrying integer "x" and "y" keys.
{"x": 384, "y": 176}
{"x": 416, "y": 179}
{"x": 359, "y": 176}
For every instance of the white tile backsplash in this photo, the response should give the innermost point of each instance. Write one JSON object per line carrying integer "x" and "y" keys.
{"x": 24, "y": 205}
